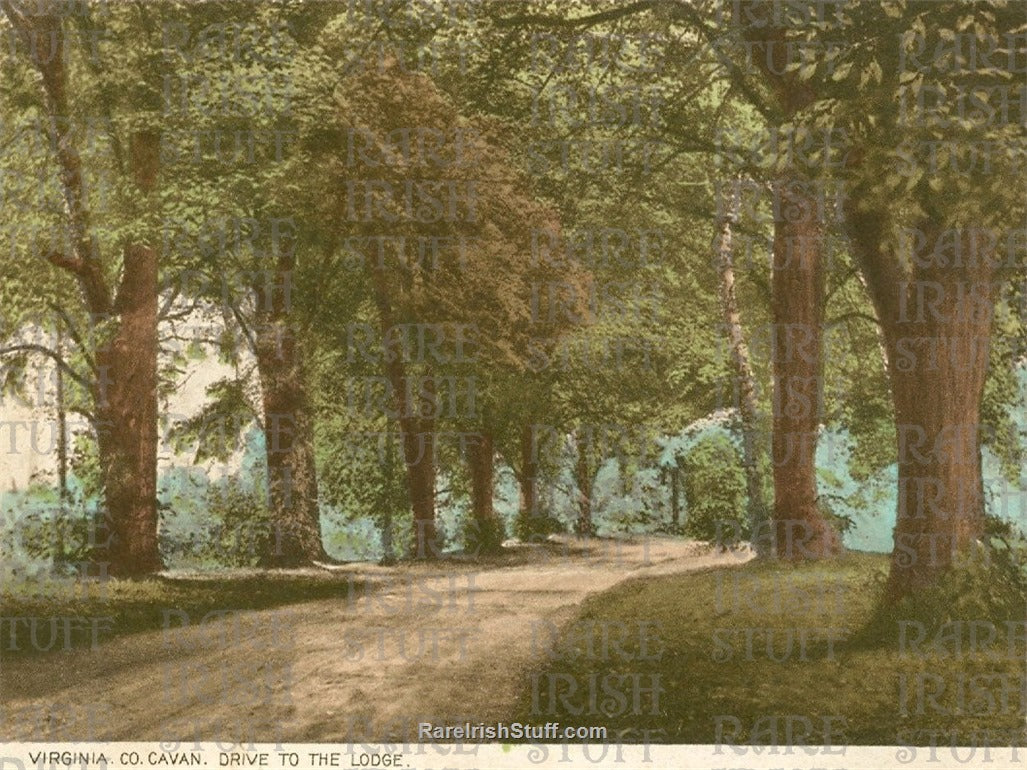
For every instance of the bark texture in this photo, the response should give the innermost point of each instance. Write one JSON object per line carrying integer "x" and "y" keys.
{"x": 295, "y": 526}
{"x": 936, "y": 323}
{"x": 418, "y": 431}
{"x": 481, "y": 464}
{"x": 126, "y": 409}
{"x": 801, "y": 532}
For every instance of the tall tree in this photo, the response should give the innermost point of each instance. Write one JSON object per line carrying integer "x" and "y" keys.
{"x": 481, "y": 459}
{"x": 123, "y": 314}
{"x": 243, "y": 233}
{"x": 934, "y": 241}
{"x": 798, "y": 299}
{"x": 748, "y": 403}
{"x": 295, "y": 536}
{"x": 443, "y": 219}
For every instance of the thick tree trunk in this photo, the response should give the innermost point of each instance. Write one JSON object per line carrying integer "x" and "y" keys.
{"x": 941, "y": 496}
{"x": 294, "y": 538}
{"x": 126, "y": 397}
{"x": 481, "y": 465}
{"x": 125, "y": 393}
{"x": 937, "y": 330}
{"x": 798, "y": 287}
{"x": 295, "y": 525}
{"x": 747, "y": 404}
{"x": 801, "y": 533}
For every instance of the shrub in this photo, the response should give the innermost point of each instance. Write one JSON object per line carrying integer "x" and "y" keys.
{"x": 714, "y": 487}
{"x": 482, "y": 538}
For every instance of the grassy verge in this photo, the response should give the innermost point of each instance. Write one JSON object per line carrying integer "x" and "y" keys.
{"x": 39, "y": 618}
{"x": 766, "y": 653}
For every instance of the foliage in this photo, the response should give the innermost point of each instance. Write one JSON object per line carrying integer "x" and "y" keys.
{"x": 529, "y": 526}
{"x": 481, "y": 537}
{"x": 40, "y": 530}
{"x": 640, "y": 341}
{"x": 714, "y": 484}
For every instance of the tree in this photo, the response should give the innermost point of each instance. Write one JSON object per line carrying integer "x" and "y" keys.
{"x": 243, "y": 236}
{"x": 934, "y": 244}
{"x": 693, "y": 106}
{"x": 421, "y": 179}
{"x": 931, "y": 238}
{"x": 927, "y": 234}
{"x": 798, "y": 299}
{"x": 122, "y": 313}
{"x": 748, "y": 405}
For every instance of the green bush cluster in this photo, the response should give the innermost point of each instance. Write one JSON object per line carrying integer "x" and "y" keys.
{"x": 714, "y": 487}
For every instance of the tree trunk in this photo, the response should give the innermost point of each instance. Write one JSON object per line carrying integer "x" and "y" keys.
{"x": 126, "y": 397}
{"x": 528, "y": 476}
{"x": 675, "y": 496}
{"x": 798, "y": 294}
{"x": 941, "y": 494}
{"x": 125, "y": 392}
{"x": 62, "y": 447}
{"x": 801, "y": 533}
{"x": 62, "y": 426}
{"x": 419, "y": 450}
{"x": 388, "y": 498}
{"x": 583, "y": 476}
{"x": 294, "y": 538}
{"x": 481, "y": 464}
{"x": 747, "y": 404}
{"x": 937, "y": 329}
{"x": 418, "y": 433}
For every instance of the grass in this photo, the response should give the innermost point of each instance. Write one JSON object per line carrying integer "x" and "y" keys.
{"x": 767, "y": 653}
{"x": 131, "y": 606}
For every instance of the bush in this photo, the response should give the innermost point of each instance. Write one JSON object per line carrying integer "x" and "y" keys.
{"x": 480, "y": 538}
{"x": 242, "y": 522}
{"x": 229, "y": 529}
{"x": 39, "y": 528}
{"x": 988, "y": 583}
{"x": 531, "y": 525}
{"x": 714, "y": 487}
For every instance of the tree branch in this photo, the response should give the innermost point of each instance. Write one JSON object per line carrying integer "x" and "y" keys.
{"x": 544, "y": 20}
{"x": 52, "y": 354}
{"x": 52, "y": 68}
{"x": 176, "y": 290}
{"x": 852, "y": 315}
{"x": 241, "y": 320}
{"x": 73, "y": 332}
{"x": 688, "y": 12}
{"x": 85, "y": 413}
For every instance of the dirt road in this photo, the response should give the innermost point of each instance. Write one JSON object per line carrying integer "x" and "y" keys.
{"x": 442, "y": 644}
